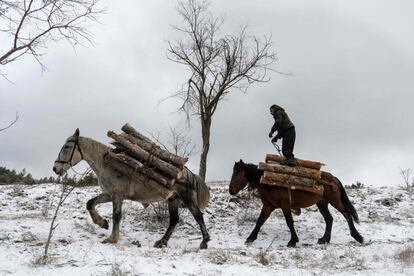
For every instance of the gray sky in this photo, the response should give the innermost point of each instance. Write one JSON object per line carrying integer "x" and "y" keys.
{"x": 350, "y": 97}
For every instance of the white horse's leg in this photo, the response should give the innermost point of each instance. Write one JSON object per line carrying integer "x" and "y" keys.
{"x": 97, "y": 219}
{"x": 116, "y": 219}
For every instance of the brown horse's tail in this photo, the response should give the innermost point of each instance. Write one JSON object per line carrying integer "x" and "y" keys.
{"x": 349, "y": 208}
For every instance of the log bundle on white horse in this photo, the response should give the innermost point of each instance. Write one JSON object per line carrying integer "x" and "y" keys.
{"x": 135, "y": 154}
{"x": 139, "y": 171}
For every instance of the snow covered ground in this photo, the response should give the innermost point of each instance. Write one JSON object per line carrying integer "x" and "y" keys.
{"x": 386, "y": 215}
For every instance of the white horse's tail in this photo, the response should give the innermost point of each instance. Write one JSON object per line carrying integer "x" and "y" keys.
{"x": 201, "y": 189}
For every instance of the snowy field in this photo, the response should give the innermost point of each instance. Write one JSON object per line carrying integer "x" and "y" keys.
{"x": 386, "y": 223}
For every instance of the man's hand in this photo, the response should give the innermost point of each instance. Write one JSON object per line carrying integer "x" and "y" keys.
{"x": 277, "y": 137}
{"x": 271, "y": 134}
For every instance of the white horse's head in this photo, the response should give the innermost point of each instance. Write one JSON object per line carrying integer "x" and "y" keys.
{"x": 69, "y": 155}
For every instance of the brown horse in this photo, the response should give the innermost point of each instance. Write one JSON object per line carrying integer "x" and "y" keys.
{"x": 278, "y": 197}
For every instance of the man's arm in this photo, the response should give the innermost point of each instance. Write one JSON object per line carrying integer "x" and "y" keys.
{"x": 278, "y": 121}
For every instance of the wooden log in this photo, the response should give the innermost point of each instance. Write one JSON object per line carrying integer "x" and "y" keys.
{"x": 139, "y": 167}
{"x": 313, "y": 189}
{"x": 302, "y": 163}
{"x": 145, "y": 143}
{"x": 289, "y": 179}
{"x": 118, "y": 147}
{"x": 135, "y": 176}
{"x": 146, "y": 158}
{"x": 297, "y": 171}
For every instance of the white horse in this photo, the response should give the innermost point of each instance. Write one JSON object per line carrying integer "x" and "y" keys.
{"x": 192, "y": 192}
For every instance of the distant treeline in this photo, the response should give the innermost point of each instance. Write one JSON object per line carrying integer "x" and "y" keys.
{"x": 13, "y": 177}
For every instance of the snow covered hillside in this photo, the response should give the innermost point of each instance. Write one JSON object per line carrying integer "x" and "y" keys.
{"x": 386, "y": 223}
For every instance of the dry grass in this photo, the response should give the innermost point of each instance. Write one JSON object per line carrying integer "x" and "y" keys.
{"x": 262, "y": 257}
{"x": 406, "y": 256}
{"x": 116, "y": 270}
{"x": 220, "y": 256}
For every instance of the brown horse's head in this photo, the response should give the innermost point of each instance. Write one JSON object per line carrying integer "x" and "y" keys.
{"x": 238, "y": 179}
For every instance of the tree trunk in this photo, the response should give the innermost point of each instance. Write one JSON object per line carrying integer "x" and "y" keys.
{"x": 137, "y": 138}
{"x": 302, "y": 163}
{"x": 317, "y": 189}
{"x": 119, "y": 160}
{"x": 146, "y": 158}
{"x": 297, "y": 171}
{"x": 205, "y": 133}
{"x": 289, "y": 179}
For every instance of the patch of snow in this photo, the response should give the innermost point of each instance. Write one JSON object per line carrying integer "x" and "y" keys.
{"x": 386, "y": 223}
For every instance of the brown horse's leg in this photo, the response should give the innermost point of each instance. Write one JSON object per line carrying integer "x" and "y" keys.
{"x": 289, "y": 221}
{"x": 323, "y": 208}
{"x": 173, "y": 210}
{"x": 116, "y": 217}
{"x": 90, "y": 205}
{"x": 354, "y": 233}
{"x": 338, "y": 205}
{"x": 264, "y": 215}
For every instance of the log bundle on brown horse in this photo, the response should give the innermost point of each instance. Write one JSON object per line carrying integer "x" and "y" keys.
{"x": 190, "y": 190}
{"x": 274, "y": 197}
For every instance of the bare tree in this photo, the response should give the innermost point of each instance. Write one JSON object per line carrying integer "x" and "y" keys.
{"x": 219, "y": 64}
{"x": 11, "y": 123}
{"x": 176, "y": 141}
{"x": 65, "y": 192}
{"x": 28, "y": 26}
{"x": 179, "y": 142}
{"x": 408, "y": 180}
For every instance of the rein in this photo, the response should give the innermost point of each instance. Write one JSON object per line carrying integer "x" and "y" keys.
{"x": 73, "y": 152}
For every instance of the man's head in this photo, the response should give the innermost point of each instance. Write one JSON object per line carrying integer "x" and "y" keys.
{"x": 273, "y": 108}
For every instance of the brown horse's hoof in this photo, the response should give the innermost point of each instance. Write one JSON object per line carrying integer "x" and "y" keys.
{"x": 323, "y": 241}
{"x": 359, "y": 238}
{"x": 249, "y": 241}
{"x": 110, "y": 240}
{"x": 291, "y": 244}
{"x": 203, "y": 245}
{"x": 105, "y": 224}
{"x": 160, "y": 244}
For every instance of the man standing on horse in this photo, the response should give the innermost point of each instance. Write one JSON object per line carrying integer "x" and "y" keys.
{"x": 285, "y": 130}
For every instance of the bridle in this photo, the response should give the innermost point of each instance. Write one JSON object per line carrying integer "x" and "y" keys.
{"x": 242, "y": 171}
{"x": 76, "y": 141}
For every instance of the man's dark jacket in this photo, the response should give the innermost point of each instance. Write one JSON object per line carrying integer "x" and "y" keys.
{"x": 282, "y": 121}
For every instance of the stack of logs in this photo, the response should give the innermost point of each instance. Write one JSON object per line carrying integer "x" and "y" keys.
{"x": 140, "y": 159}
{"x": 304, "y": 176}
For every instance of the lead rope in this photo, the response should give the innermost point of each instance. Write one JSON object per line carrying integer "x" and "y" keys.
{"x": 290, "y": 198}
{"x": 277, "y": 148}
{"x": 87, "y": 171}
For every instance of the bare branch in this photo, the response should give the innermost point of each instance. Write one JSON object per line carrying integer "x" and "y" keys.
{"x": 408, "y": 180}
{"x": 11, "y": 123}
{"x": 32, "y": 24}
{"x": 177, "y": 141}
{"x": 65, "y": 192}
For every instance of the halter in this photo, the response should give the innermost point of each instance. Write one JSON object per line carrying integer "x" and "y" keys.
{"x": 73, "y": 152}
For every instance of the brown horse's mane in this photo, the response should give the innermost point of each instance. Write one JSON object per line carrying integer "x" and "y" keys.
{"x": 252, "y": 173}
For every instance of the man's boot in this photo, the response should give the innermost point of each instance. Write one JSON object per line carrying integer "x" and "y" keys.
{"x": 291, "y": 162}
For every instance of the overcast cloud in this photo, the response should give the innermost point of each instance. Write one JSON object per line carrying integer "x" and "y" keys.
{"x": 350, "y": 97}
